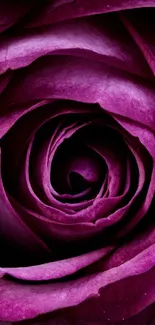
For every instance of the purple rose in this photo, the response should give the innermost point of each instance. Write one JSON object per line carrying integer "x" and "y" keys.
{"x": 77, "y": 176}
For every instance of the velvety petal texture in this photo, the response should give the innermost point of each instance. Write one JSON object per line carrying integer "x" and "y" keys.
{"x": 77, "y": 162}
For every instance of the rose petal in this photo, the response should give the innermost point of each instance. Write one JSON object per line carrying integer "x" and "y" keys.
{"x": 144, "y": 37}
{"x": 142, "y": 239}
{"x": 103, "y": 290}
{"x": 72, "y": 316}
{"x": 148, "y": 140}
{"x": 8, "y": 118}
{"x": 13, "y": 230}
{"x": 116, "y": 91}
{"x": 114, "y": 154}
{"x": 92, "y": 38}
{"x": 48, "y": 14}
{"x": 57, "y": 269}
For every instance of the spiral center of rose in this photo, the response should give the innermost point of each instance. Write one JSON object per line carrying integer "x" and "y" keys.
{"x": 73, "y": 166}
{"x": 76, "y": 170}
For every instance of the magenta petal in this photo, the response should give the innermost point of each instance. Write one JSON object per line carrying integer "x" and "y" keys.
{"x": 147, "y": 138}
{"x": 72, "y": 316}
{"x": 52, "y": 14}
{"x": 144, "y": 36}
{"x": 90, "y": 37}
{"x": 114, "y": 90}
{"x": 103, "y": 290}
{"x": 56, "y": 270}
{"x": 9, "y": 117}
{"x": 128, "y": 250}
{"x": 15, "y": 232}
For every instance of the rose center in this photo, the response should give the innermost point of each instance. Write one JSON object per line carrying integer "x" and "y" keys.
{"x": 77, "y": 169}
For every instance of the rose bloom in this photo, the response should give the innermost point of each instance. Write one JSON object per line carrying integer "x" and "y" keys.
{"x": 77, "y": 172}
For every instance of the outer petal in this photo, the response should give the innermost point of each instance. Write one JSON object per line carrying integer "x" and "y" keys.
{"x": 50, "y": 78}
{"x": 90, "y": 37}
{"x": 109, "y": 292}
{"x": 136, "y": 244}
{"x": 57, "y": 269}
{"x": 50, "y": 13}
{"x": 71, "y": 317}
{"x": 143, "y": 36}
